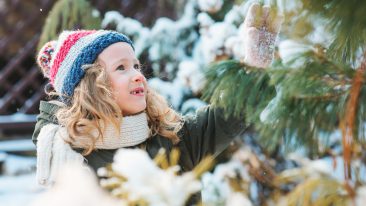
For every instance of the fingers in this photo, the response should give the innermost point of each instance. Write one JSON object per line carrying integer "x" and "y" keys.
{"x": 266, "y": 10}
{"x": 254, "y": 17}
{"x": 275, "y": 25}
{"x": 263, "y": 17}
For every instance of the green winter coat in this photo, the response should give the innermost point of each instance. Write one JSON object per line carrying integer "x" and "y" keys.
{"x": 205, "y": 133}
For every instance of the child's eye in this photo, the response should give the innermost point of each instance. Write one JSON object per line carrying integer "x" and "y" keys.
{"x": 120, "y": 67}
{"x": 137, "y": 67}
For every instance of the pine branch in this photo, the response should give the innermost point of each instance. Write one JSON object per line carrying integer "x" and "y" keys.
{"x": 238, "y": 88}
{"x": 319, "y": 191}
{"x": 317, "y": 76}
{"x": 309, "y": 102}
{"x": 348, "y": 123}
{"x": 348, "y": 24}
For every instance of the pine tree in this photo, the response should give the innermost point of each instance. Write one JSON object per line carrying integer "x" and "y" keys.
{"x": 311, "y": 89}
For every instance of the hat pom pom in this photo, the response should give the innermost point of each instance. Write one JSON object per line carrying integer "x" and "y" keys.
{"x": 45, "y": 56}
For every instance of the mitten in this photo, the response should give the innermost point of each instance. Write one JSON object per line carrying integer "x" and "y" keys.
{"x": 261, "y": 27}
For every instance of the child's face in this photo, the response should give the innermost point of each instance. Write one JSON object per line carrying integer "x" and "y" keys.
{"x": 127, "y": 82}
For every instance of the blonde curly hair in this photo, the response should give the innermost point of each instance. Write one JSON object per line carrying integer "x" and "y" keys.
{"x": 93, "y": 105}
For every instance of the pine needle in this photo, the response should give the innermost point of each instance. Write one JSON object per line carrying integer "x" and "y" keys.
{"x": 347, "y": 22}
{"x": 161, "y": 159}
{"x": 203, "y": 166}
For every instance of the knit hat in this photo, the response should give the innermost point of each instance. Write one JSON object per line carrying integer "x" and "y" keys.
{"x": 61, "y": 61}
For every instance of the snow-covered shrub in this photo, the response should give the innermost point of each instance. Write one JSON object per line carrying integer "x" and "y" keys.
{"x": 146, "y": 182}
{"x": 76, "y": 187}
{"x": 210, "y": 6}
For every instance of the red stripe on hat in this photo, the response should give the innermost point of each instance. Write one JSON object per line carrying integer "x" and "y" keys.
{"x": 64, "y": 49}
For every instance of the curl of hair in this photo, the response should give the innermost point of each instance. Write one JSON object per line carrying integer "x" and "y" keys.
{"x": 93, "y": 106}
{"x": 163, "y": 120}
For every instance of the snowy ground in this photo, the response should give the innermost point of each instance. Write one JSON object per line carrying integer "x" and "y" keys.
{"x": 18, "y": 185}
{"x": 18, "y": 190}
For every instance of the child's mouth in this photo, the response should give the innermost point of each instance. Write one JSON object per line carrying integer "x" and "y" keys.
{"x": 139, "y": 91}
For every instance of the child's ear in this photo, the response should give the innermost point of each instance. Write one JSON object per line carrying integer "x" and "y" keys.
{"x": 44, "y": 57}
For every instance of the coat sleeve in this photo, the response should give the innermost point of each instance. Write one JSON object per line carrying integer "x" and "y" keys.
{"x": 209, "y": 132}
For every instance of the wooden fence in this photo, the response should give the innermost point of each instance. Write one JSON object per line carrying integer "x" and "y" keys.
{"x": 21, "y": 83}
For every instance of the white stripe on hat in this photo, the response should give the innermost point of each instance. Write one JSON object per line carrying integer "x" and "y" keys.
{"x": 61, "y": 40}
{"x": 71, "y": 56}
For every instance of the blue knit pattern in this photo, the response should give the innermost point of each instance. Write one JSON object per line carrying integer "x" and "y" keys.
{"x": 87, "y": 56}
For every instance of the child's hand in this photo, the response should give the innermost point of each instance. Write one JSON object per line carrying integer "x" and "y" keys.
{"x": 262, "y": 25}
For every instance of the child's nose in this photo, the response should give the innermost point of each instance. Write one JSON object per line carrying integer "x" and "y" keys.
{"x": 138, "y": 77}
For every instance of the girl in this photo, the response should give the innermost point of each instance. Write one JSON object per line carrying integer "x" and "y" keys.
{"x": 105, "y": 104}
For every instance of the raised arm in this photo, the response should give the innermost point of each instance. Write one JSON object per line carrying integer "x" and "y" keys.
{"x": 208, "y": 132}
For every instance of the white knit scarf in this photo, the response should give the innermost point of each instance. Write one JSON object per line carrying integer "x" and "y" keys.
{"x": 53, "y": 152}
{"x": 133, "y": 131}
